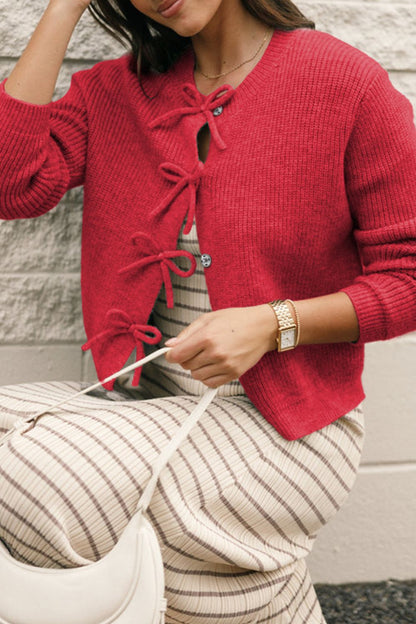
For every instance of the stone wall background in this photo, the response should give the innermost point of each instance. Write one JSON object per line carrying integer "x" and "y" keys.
{"x": 373, "y": 537}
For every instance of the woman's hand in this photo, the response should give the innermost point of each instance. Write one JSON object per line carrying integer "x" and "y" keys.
{"x": 221, "y": 346}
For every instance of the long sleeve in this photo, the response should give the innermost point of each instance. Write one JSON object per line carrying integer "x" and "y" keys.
{"x": 380, "y": 176}
{"x": 42, "y": 152}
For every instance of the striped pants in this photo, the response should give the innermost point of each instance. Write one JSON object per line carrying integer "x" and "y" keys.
{"x": 236, "y": 510}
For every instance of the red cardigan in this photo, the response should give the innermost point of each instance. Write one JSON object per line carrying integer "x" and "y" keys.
{"x": 309, "y": 188}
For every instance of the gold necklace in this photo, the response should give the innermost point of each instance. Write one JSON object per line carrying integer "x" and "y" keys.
{"x": 237, "y": 66}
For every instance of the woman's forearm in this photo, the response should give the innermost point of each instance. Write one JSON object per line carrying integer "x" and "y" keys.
{"x": 223, "y": 345}
{"x": 330, "y": 318}
{"x": 325, "y": 319}
{"x": 34, "y": 77}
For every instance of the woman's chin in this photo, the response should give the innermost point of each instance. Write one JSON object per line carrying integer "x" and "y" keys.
{"x": 187, "y": 28}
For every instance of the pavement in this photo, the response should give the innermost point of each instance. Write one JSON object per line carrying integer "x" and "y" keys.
{"x": 390, "y": 602}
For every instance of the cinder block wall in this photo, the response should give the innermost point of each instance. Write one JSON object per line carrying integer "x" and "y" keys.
{"x": 373, "y": 537}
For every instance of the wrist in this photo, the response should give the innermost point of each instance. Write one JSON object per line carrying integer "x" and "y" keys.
{"x": 65, "y": 9}
{"x": 267, "y": 321}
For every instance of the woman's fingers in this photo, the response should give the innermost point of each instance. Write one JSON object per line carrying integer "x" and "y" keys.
{"x": 187, "y": 332}
{"x": 200, "y": 360}
{"x": 202, "y": 367}
{"x": 216, "y": 382}
{"x": 221, "y": 346}
{"x": 188, "y": 343}
{"x": 182, "y": 353}
{"x": 211, "y": 376}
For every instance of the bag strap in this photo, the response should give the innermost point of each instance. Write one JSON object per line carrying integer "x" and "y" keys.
{"x": 22, "y": 424}
{"x": 173, "y": 445}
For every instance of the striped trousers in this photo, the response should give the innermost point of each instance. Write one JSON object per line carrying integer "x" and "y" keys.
{"x": 236, "y": 510}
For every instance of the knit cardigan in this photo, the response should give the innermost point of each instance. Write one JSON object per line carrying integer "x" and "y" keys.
{"x": 309, "y": 188}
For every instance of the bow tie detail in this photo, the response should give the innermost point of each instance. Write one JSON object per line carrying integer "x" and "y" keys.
{"x": 182, "y": 179}
{"x": 166, "y": 263}
{"x": 120, "y": 323}
{"x": 197, "y": 104}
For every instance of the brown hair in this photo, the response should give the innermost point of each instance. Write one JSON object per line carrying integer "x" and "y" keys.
{"x": 157, "y": 47}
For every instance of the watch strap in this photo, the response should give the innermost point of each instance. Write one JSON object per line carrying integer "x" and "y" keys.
{"x": 285, "y": 320}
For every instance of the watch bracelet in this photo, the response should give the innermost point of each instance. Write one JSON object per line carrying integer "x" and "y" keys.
{"x": 287, "y": 317}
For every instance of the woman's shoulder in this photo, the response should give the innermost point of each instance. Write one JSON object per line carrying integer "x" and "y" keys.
{"x": 106, "y": 72}
{"x": 323, "y": 53}
{"x": 115, "y": 82}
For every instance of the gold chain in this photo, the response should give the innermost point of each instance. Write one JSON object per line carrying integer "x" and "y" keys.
{"x": 237, "y": 66}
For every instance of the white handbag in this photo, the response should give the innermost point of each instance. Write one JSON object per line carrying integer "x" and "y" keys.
{"x": 126, "y": 586}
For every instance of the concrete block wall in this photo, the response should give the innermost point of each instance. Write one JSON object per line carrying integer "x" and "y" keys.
{"x": 373, "y": 537}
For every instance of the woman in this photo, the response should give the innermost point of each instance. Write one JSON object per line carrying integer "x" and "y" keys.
{"x": 295, "y": 158}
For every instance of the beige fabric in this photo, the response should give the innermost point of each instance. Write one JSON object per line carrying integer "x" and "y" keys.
{"x": 236, "y": 510}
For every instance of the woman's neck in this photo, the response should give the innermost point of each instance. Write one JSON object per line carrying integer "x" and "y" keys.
{"x": 231, "y": 38}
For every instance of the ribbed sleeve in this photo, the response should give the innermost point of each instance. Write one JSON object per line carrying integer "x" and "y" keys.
{"x": 42, "y": 152}
{"x": 380, "y": 174}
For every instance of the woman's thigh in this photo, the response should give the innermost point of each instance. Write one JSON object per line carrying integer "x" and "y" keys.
{"x": 236, "y": 510}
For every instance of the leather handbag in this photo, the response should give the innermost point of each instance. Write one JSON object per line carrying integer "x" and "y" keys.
{"x": 126, "y": 586}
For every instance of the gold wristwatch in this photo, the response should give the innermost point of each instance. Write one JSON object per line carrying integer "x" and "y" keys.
{"x": 287, "y": 330}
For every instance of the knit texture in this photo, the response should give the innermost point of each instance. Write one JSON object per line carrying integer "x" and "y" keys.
{"x": 309, "y": 188}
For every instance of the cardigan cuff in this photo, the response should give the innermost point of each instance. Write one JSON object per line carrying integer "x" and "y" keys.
{"x": 370, "y": 313}
{"x": 382, "y": 314}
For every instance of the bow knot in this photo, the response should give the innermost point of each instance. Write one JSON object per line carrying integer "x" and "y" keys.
{"x": 198, "y": 101}
{"x": 166, "y": 264}
{"x": 182, "y": 179}
{"x": 176, "y": 173}
{"x": 121, "y": 323}
{"x": 200, "y": 104}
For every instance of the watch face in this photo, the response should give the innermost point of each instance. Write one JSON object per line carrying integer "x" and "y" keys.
{"x": 287, "y": 339}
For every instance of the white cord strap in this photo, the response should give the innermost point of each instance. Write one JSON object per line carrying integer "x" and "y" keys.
{"x": 20, "y": 425}
{"x": 173, "y": 445}
{"x": 24, "y": 425}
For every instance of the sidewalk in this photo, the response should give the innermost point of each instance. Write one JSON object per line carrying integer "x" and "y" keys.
{"x": 392, "y": 602}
